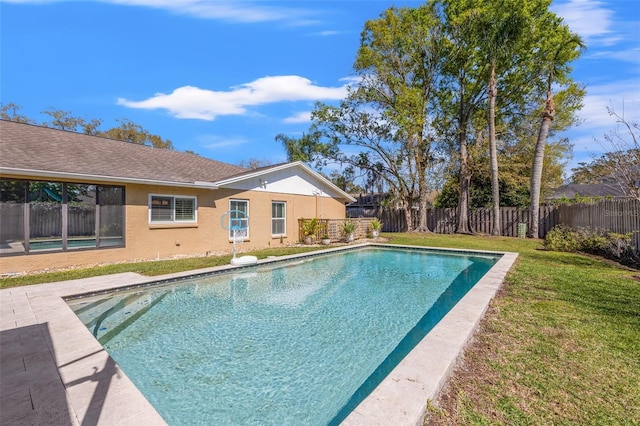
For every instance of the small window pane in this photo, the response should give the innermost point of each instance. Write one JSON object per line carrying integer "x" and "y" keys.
{"x": 278, "y": 219}
{"x": 12, "y": 202}
{"x": 277, "y": 227}
{"x": 81, "y": 216}
{"x": 161, "y": 209}
{"x": 239, "y": 218}
{"x": 111, "y": 205}
{"x": 45, "y": 216}
{"x": 185, "y": 209}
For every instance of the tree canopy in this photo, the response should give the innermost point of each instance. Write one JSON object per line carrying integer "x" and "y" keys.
{"x": 127, "y": 130}
{"x": 459, "y": 83}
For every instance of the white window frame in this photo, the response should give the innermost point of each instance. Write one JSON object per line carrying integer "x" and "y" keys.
{"x": 173, "y": 209}
{"x": 236, "y": 200}
{"x": 283, "y": 219}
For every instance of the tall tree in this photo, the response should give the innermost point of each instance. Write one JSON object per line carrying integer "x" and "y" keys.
{"x": 501, "y": 43}
{"x": 461, "y": 94}
{"x": 560, "y": 48}
{"x": 515, "y": 170}
{"x": 10, "y": 112}
{"x": 308, "y": 148}
{"x": 386, "y": 114}
{"x": 129, "y": 131}
{"x": 399, "y": 59}
{"x": 501, "y": 27}
{"x": 378, "y": 154}
{"x": 254, "y": 163}
{"x": 63, "y": 120}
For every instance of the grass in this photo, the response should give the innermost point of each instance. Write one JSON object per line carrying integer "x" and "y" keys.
{"x": 151, "y": 268}
{"x": 560, "y": 343}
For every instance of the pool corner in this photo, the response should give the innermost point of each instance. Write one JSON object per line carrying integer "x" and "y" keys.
{"x": 403, "y": 396}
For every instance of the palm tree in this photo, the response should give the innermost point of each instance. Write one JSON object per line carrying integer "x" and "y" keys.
{"x": 567, "y": 50}
{"x": 499, "y": 38}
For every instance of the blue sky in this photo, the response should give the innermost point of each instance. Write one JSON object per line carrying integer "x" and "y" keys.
{"x": 222, "y": 78}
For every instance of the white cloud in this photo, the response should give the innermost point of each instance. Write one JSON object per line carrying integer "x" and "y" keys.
{"x": 229, "y": 10}
{"x": 238, "y": 11}
{"x": 631, "y": 55}
{"x": 588, "y": 138}
{"x": 203, "y": 104}
{"x": 300, "y": 117}
{"x": 213, "y": 142}
{"x": 622, "y": 96}
{"x": 326, "y": 33}
{"x": 588, "y": 18}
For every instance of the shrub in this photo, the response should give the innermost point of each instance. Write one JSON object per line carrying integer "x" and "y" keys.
{"x": 614, "y": 246}
{"x": 591, "y": 241}
{"x": 561, "y": 238}
{"x": 309, "y": 227}
{"x": 348, "y": 227}
{"x": 611, "y": 245}
{"x": 376, "y": 224}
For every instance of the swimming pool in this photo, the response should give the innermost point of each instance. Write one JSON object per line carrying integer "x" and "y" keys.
{"x": 283, "y": 343}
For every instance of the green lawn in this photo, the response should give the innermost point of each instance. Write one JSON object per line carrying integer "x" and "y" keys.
{"x": 151, "y": 268}
{"x": 560, "y": 343}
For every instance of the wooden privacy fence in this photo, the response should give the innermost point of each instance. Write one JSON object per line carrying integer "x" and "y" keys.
{"x": 621, "y": 216}
{"x": 443, "y": 221}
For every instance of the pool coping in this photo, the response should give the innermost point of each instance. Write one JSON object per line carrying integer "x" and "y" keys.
{"x": 53, "y": 371}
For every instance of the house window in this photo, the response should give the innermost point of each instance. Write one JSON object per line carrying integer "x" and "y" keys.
{"x": 46, "y": 216}
{"x": 169, "y": 208}
{"x": 278, "y": 218}
{"x": 185, "y": 209}
{"x": 238, "y": 218}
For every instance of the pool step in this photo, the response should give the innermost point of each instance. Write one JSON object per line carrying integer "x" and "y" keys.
{"x": 105, "y": 318}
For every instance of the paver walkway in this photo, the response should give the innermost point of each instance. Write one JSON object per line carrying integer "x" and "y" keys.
{"x": 52, "y": 370}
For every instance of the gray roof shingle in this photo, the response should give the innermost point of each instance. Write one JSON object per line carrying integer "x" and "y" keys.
{"x": 31, "y": 147}
{"x": 587, "y": 190}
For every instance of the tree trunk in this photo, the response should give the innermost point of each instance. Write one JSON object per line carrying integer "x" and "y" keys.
{"x": 493, "y": 154}
{"x": 463, "y": 226}
{"x": 538, "y": 162}
{"x": 407, "y": 217}
{"x": 423, "y": 226}
{"x": 465, "y": 184}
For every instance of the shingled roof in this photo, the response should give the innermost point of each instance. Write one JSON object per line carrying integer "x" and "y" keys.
{"x": 27, "y": 149}
{"x": 588, "y": 190}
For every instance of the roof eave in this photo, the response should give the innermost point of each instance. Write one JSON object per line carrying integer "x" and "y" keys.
{"x": 26, "y": 173}
{"x": 263, "y": 172}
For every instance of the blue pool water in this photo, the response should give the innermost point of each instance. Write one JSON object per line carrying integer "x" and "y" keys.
{"x": 284, "y": 343}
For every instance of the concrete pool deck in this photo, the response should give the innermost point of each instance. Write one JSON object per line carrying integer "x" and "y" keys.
{"x": 54, "y": 372}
